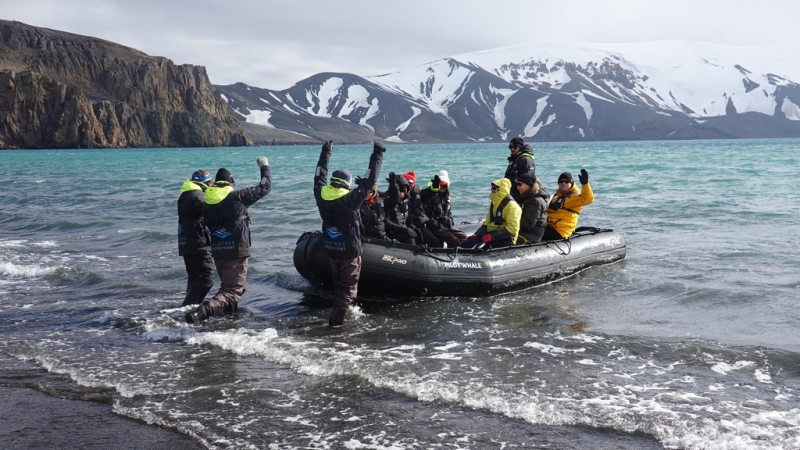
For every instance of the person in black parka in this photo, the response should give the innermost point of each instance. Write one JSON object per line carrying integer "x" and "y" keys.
{"x": 229, "y": 223}
{"x": 373, "y": 215}
{"x": 533, "y": 200}
{"x": 396, "y": 200}
{"x": 194, "y": 238}
{"x": 519, "y": 162}
{"x": 341, "y": 224}
{"x": 436, "y": 204}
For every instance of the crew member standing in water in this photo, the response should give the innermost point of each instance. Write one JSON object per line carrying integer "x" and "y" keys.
{"x": 194, "y": 237}
{"x": 341, "y": 223}
{"x": 227, "y": 219}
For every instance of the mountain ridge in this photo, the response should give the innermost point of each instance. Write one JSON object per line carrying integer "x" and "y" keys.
{"x": 546, "y": 92}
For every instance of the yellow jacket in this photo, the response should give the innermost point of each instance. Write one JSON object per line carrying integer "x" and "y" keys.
{"x": 562, "y": 214}
{"x": 511, "y": 213}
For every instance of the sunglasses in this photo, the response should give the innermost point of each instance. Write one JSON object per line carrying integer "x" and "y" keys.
{"x": 520, "y": 183}
{"x": 442, "y": 184}
{"x": 512, "y": 147}
{"x": 564, "y": 182}
{"x": 494, "y": 188}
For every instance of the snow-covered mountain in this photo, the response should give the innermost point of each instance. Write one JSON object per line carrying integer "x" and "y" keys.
{"x": 544, "y": 92}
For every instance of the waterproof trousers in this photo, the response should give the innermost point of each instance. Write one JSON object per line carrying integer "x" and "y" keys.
{"x": 453, "y": 237}
{"x": 533, "y": 236}
{"x": 232, "y": 275}
{"x": 401, "y": 237}
{"x": 200, "y": 269}
{"x": 550, "y": 234}
{"x": 428, "y": 238}
{"x": 346, "y": 273}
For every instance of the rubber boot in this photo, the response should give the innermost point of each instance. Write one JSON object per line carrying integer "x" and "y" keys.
{"x": 203, "y": 312}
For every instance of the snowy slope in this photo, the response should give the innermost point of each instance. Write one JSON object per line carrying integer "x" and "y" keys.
{"x": 551, "y": 91}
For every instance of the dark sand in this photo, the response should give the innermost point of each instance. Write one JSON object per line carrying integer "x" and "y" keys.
{"x": 32, "y": 419}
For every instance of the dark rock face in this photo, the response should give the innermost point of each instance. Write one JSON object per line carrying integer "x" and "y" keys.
{"x": 60, "y": 90}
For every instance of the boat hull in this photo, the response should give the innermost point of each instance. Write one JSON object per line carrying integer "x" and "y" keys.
{"x": 400, "y": 270}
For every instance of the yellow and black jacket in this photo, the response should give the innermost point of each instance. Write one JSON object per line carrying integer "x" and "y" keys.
{"x": 565, "y": 206}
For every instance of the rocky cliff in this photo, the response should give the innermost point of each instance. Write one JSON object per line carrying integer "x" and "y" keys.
{"x": 61, "y": 90}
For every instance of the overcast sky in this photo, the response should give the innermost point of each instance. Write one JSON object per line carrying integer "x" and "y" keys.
{"x": 273, "y": 44}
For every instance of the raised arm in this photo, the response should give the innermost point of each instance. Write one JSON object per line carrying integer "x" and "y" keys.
{"x": 355, "y": 198}
{"x": 321, "y": 174}
{"x": 250, "y": 195}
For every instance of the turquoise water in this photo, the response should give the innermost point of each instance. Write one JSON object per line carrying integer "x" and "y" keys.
{"x": 690, "y": 342}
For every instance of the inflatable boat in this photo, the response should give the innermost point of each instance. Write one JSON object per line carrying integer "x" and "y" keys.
{"x": 397, "y": 270}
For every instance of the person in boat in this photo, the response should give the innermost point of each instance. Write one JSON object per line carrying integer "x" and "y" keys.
{"x": 418, "y": 219}
{"x": 411, "y": 177}
{"x": 566, "y": 205}
{"x": 396, "y": 202}
{"x": 194, "y": 237}
{"x": 436, "y": 204}
{"x": 519, "y": 162}
{"x": 501, "y": 227}
{"x": 373, "y": 214}
{"x": 229, "y": 222}
{"x": 533, "y": 201}
{"x": 339, "y": 207}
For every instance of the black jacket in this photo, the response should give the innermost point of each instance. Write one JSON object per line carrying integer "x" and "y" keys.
{"x": 193, "y": 236}
{"x": 341, "y": 221}
{"x": 519, "y": 164}
{"x": 373, "y": 218}
{"x": 397, "y": 209}
{"x": 437, "y": 208}
{"x": 228, "y": 220}
{"x": 534, "y": 211}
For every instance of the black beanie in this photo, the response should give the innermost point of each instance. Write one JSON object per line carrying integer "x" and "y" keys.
{"x": 517, "y": 142}
{"x": 527, "y": 179}
{"x": 565, "y": 176}
{"x": 224, "y": 175}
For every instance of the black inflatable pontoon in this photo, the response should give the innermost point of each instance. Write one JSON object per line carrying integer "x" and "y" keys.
{"x": 405, "y": 270}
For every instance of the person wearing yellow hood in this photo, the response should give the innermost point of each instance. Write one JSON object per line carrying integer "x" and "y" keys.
{"x": 566, "y": 205}
{"x": 229, "y": 222}
{"x": 339, "y": 207}
{"x": 194, "y": 238}
{"x": 501, "y": 227}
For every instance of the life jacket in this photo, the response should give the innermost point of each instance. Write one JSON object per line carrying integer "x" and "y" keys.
{"x": 565, "y": 208}
{"x": 558, "y": 202}
{"x": 498, "y": 215}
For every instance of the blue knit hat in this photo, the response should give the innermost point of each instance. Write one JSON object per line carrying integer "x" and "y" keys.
{"x": 342, "y": 175}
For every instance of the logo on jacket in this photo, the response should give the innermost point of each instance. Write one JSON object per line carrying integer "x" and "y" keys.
{"x": 222, "y": 233}
{"x": 180, "y": 229}
{"x": 333, "y": 232}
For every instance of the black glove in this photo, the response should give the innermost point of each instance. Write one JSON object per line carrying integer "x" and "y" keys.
{"x": 435, "y": 182}
{"x": 359, "y": 180}
{"x": 392, "y": 178}
{"x": 584, "y": 176}
{"x": 328, "y": 146}
{"x": 411, "y": 233}
{"x": 377, "y": 147}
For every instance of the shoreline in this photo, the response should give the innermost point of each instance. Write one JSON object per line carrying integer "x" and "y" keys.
{"x": 39, "y": 409}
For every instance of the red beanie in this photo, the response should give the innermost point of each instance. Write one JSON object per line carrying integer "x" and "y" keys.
{"x": 410, "y": 177}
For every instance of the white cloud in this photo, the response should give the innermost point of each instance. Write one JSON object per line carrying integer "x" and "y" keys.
{"x": 275, "y": 44}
